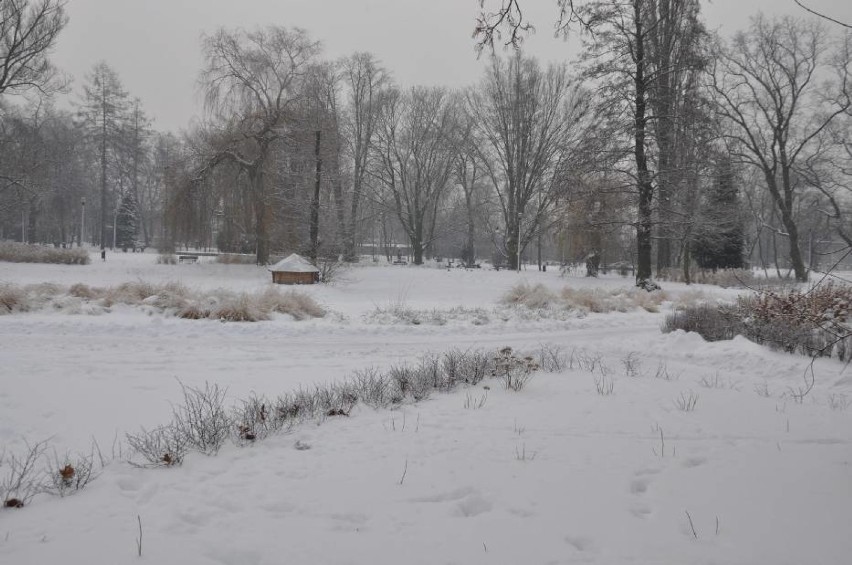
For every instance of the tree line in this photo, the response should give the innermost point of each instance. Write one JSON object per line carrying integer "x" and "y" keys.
{"x": 661, "y": 147}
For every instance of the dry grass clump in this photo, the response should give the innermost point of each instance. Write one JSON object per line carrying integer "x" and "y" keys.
{"x": 535, "y": 297}
{"x": 193, "y": 311}
{"x": 240, "y": 308}
{"x": 597, "y": 300}
{"x": 80, "y": 290}
{"x": 12, "y": 299}
{"x": 296, "y": 304}
{"x": 170, "y": 297}
{"x": 614, "y": 300}
{"x": 25, "y": 253}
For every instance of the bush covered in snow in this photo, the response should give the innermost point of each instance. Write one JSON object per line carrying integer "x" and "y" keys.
{"x": 25, "y": 253}
{"x": 814, "y": 322}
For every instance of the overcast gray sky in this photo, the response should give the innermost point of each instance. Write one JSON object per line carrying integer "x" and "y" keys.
{"x": 154, "y": 44}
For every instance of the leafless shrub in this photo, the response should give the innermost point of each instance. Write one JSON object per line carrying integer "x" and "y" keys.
{"x": 336, "y": 399}
{"x": 686, "y": 402}
{"x": 762, "y": 389}
{"x": 71, "y": 473}
{"x": 411, "y": 382}
{"x": 167, "y": 259}
{"x": 663, "y": 372}
{"x": 711, "y": 382}
{"x": 253, "y": 419}
{"x": 202, "y": 418}
{"x": 838, "y": 402}
{"x": 632, "y": 365}
{"x": 296, "y": 406}
{"x": 473, "y": 367}
{"x": 604, "y": 385}
{"x": 590, "y": 362}
{"x": 815, "y": 322}
{"x": 552, "y": 358}
{"x": 20, "y": 476}
{"x": 331, "y": 269}
{"x": 372, "y": 386}
{"x": 513, "y": 370}
{"x": 712, "y": 322}
{"x": 165, "y": 446}
{"x": 472, "y": 402}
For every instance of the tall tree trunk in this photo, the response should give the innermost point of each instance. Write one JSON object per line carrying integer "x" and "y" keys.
{"x": 644, "y": 185}
{"x": 315, "y": 201}
{"x": 783, "y": 203}
{"x": 262, "y": 212}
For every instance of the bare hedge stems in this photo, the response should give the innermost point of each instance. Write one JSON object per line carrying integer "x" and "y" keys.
{"x": 20, "y": 476}
{"x": 203, "y": 423}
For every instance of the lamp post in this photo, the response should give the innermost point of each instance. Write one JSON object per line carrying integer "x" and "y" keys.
{"x": 82, "y": 220}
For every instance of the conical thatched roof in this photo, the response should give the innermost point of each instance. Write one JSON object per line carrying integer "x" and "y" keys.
{"x": 293, "y": 264}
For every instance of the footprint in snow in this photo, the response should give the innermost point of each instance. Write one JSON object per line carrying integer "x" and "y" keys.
{"x": 472, "y": 505}
{"x": 639, "y": 486}
{"x": 580, "y": 543}
{"x": 694, "y": 462}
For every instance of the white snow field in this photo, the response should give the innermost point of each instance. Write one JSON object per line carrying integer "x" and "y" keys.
{"x": 554, "y": 473}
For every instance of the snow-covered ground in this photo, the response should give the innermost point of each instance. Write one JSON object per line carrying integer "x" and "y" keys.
{"x": 555, "y": 473}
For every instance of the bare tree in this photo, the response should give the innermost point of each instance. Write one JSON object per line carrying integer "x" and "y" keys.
{"x": 366, "y": 83}
{"x": 252, "y": 81}
{"x": 28, "y": 31}
{"x": 821, "y": 15}
{"x": 415, "y": 156}
{"x": 469, "y": 174}
{"x": 618, "y": 56}
{"x": 766, "y": 85}
{"x": 525, "y": 120}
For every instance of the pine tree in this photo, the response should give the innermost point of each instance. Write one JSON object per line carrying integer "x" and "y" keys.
{"x": 721, "y": 244}
{"x": 127, "y": 227}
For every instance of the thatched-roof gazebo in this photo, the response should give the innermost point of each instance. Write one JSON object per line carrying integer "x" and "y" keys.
{"x": 294, "y": 269}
